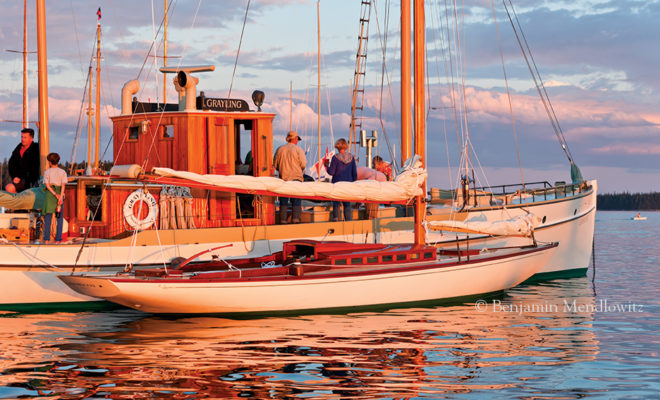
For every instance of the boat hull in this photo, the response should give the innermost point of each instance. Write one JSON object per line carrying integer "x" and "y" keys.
{"x": 27, "y": 276}
{"x": 569, "y": 221}
{"x": 328, "y": 291}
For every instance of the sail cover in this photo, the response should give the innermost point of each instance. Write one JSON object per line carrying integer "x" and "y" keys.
{"x": 407, "y": 185}
{"x": 519, "y": 226}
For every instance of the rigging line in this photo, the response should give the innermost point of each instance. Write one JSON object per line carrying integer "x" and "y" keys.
{"x": 327, "y": 95}
{"x": 76, "y": 141}
{"x": 385, "y": 74}
{"x": 114, "y": 161}
{"x": 75, "y": 31}
{"x": 460, "y": 61}
{"x": 452, "y": 83}
{"x": 508, "y": 95}
{"x": 170, "y": 11}
{"x": 162, "y": 112}
{"x": 153, "y": 32}
{"x": 162, "y": 22}
{"x": 238, "y": 51}
{"x": 444, "y": 116}
{"x": 538, "y": 88}
{"x": 531, "y": 55}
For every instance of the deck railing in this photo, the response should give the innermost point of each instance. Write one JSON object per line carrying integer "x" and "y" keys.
{"x": 519, "y": 193}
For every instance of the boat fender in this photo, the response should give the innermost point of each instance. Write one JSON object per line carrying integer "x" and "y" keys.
{"x": 132, "y": 201}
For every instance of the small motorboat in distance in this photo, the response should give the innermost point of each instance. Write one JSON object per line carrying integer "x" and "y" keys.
{"x": 310, "y": 275}
{"x": 638, "y": 217}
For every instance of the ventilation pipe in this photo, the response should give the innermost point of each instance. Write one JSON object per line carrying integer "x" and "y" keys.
{"x": 130, "y": 88}
{"x": 186, "y": 86}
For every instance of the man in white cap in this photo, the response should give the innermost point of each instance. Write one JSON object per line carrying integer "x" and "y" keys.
{"x": 290, "y": 162}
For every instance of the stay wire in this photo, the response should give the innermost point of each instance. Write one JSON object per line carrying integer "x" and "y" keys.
{"x": 385, "y": 74}
{"x": 540, "y": 88}
{"x": 508, "y": 94}
{"x": 238, "y": 51}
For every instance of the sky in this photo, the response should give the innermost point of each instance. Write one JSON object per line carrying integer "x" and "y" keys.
{"x": 598, "y": 59}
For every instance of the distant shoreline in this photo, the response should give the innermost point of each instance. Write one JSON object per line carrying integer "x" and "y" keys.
{"x": 628, "y": 201}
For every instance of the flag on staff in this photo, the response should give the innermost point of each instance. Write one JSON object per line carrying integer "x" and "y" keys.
{"x": 98, "y": 13}
{"x": 318, "y": 170}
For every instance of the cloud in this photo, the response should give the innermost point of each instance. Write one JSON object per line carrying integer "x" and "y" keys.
{"x": 12, "y": 134}
{"x": 629, "y": 149}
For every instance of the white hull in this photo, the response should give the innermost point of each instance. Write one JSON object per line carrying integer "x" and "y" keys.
{"x": 26, "y": 277}
{"x": 180, "y": 296}
{"x": 570, "y": 222}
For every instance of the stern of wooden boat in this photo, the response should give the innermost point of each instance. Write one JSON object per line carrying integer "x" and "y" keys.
{"x": 98, "y": 287}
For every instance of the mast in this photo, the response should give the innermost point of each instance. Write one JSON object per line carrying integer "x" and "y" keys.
{"x": 290, "y": 106}
{"x": 90, "y": 112}
{"x": 420, "y": 122}
{"x": 165, "y": 57}
{"x": 98, "y": 93}
{"x": 25, "y": 89}
{"x": 318, "y": 56}
{"x": 44, "y": 146}
{"x": 406, "y": 120}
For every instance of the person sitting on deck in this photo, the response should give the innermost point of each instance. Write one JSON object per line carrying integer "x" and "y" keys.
{"x": 290, "y": 162}
{"x": 343, "y": 169}
{"x": 24, "y": 163}
{"x": 384, "y": 167}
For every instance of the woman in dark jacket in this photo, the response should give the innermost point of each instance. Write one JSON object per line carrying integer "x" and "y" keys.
{"x": 343, "y": 169}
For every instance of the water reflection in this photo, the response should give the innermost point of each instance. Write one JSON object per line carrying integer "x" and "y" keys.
{"x": 400, "y": 353}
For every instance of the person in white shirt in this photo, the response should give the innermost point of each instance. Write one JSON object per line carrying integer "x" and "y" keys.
{"x": 55, "y": 180}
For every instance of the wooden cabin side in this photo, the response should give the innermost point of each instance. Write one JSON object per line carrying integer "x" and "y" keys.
{"x": 202, "y": 142}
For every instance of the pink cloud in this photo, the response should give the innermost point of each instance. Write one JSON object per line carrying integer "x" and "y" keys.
{"x": 629, "y": 149}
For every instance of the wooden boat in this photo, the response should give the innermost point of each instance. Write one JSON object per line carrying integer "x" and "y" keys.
{"x": 310, "y": 275}
{"x": 318, "y": 275}
{"x": 120, "y": 220}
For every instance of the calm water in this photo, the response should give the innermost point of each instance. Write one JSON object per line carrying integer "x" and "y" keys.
{"x": 561, "y": 339}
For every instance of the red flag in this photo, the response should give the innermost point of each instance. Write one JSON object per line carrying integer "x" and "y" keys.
{"x": 98, "y": 13}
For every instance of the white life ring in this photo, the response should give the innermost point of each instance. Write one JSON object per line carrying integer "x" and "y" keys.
{"x": 129, "y": 206}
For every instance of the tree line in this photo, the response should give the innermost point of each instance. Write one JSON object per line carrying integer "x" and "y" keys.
{"x": 629, "y": 201}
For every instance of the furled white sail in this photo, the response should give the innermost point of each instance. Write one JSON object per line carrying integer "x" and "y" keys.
{"x": 519, "y": 226}
{"x": 407, "y": 185}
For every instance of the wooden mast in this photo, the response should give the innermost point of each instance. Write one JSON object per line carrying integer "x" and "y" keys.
{"x": 406, "y": 119}
{"x": 290, "y": 106}
{"x": 165, "y": 57}
{"x": 98, "y": 95}
{"x": 90, "y": 112}
{"x": 44, "y": 146}
{"x": 318, "y": 56}
{"x": 420, "y": 121}
{"x": 25, "y": 88}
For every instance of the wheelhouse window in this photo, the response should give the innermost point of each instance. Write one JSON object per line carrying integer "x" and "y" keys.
{"x": 133, "y": 132}
{"x": 167, "y": 132}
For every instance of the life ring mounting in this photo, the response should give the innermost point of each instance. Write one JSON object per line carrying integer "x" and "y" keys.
{"x": 132, "y": 201}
